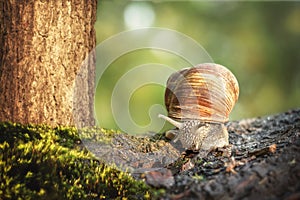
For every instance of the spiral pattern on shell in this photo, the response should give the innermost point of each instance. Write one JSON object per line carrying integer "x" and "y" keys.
{"x": 206, "y": 92}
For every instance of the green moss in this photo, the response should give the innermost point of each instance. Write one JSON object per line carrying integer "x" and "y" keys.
{"x": 39, "y": 162}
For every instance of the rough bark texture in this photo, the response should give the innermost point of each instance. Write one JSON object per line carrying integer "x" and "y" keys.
{"x": 43, "y": 45}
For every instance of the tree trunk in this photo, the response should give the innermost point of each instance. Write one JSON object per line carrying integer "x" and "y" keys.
{"x": 43, "y": 45}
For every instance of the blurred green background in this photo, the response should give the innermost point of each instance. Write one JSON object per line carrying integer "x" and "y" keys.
{"x": 258, "y": 41}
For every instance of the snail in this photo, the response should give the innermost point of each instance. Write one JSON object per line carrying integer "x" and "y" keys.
{"x": 199, "y": 101}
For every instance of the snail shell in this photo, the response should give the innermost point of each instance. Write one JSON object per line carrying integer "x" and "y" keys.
{"x": 199, "y": 101}
{"x": 206, "y": 92}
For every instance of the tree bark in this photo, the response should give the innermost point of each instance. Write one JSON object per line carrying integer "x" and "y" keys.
{"x": 43, "y": 45}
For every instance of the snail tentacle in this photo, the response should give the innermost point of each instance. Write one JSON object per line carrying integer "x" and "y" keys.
{"x": 172, "y": 121}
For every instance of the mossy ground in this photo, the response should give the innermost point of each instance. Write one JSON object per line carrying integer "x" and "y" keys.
{"x": 39, "y": 162}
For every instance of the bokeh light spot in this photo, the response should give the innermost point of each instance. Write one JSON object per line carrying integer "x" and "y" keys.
{"x": 139, "y": 15}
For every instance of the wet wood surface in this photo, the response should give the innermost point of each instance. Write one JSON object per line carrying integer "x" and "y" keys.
{"x": 263, "y": 164}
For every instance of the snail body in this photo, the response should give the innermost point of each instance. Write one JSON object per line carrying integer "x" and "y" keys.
{"x": 199, "y": 101}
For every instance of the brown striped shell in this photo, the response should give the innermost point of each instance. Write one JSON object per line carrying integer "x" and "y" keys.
{"x": 206, "y": 92}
